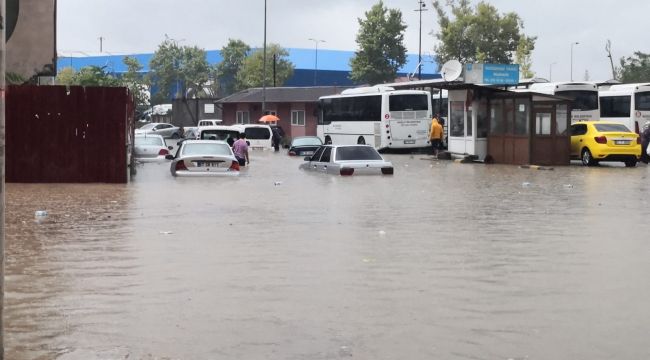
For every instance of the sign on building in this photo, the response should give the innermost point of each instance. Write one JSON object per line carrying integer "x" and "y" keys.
{"x": 492, "y": 74}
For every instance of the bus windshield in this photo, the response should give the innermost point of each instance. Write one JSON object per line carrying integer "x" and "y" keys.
{"x": 642, "y": 101}
{"x": 414, "y": 102}
{"x": 583, "y": 100}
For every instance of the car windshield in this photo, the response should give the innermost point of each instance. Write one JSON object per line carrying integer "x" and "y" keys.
{"x": 219, "y": 134}
{"x": 148, "y": 126}
{"x": 257, "y": 133}
{"x": 205, "y": 149}
{"x": 357, "y": 153}
{"x": 156, "y": 141}
{"x": 611, "y": 128}
{"x": 307, "y": 141}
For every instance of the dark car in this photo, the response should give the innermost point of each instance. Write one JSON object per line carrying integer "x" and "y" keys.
{"x": 304, "y": 145}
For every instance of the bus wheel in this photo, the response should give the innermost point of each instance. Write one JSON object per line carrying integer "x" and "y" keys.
{"x": 361, "y": 141}
{"x": 328, "y": 140}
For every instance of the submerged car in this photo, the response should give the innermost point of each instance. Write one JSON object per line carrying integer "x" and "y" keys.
{"x": 347, "y": 160}
{"x": 596, "y": 141}
{"x": 163, "y": 129}
{"x": 204, "y": 158}
{"x": 150, "y": 148}
{"x": 304, "y": 145}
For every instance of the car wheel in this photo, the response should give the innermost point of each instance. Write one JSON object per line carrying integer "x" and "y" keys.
{"x": 630, "y": 163}
{"x": 587, "y": 159}
{"x": 361, "y": 141}
{"x": 175, "y": 136}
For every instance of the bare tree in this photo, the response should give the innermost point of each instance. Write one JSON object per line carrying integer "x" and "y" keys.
{"x": 608, "y": 49}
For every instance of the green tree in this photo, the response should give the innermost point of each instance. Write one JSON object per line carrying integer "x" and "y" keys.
{"x": 252, "y": 70}
{"x": 381, "y": 46}
{"x": 65, "y": 76}
{"x": 185, "y": 67}
{"x": 95, "y": 76}
{"x": 479, "y": 34}
{"x": 234, "y": 54}
{"x": 635, "y": 68}
{"x": 523, "y": 56}
{"x": 135, "y": 81}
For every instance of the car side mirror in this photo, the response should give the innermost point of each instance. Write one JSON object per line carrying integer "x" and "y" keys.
{"x": 170, "y": 147}
{"x": 307, "y": 158}
{"x": 169, "y": 157}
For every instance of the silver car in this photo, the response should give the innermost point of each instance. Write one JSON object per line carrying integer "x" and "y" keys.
{"x": 148, "y": 148}
{"x": 347, "y": 160}
{"x": 204, "y": 158}
{"x": 163, "y": 129}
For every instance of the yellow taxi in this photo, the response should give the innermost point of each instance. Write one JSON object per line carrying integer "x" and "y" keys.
{"x": 595, "y": 141}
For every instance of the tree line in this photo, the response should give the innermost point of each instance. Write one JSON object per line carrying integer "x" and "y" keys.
{"x": 469, "y": 33}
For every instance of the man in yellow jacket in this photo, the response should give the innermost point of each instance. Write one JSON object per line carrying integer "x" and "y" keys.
{"x": 435, "y": 135}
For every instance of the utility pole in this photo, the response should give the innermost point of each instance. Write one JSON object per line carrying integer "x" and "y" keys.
{"x": 573, "y": 43}
{"x": 101, "y": 44}
{"x": 420, "y": 9}
{"x": 3, "y": 95}
{"x": 264, "y": 67}
{"x": 316, "y": 41}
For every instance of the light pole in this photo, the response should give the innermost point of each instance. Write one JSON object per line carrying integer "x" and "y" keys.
{"x": 316, "y": 41}
{"x": 101, "y": 44}
{"x": 420, "y": 9}
{"x": 264, "y": 67}
{"x": 550, "y": 71}
{"x": 573, "y": 43}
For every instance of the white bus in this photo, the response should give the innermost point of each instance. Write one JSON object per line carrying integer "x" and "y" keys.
{"x": 584, "y": 97}
{"x": 379, "y": 116}
{"x": 628, "y": 104}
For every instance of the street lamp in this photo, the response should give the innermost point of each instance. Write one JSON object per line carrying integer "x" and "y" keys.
{"x": 420, "y": 9}
{"x": 264, "y": 67}
{"x": 550, "y": 71}
{"x": 316, "y": 41}
{"x": 573, "y": 43}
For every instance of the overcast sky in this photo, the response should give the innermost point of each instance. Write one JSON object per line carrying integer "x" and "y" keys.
{"x": 135, "y": 26}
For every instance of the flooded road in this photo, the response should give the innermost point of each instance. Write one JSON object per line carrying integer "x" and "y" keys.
{"x": 440, "y": 261}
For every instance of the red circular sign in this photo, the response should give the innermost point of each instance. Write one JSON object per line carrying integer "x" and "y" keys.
{"x": 387, "y": 116}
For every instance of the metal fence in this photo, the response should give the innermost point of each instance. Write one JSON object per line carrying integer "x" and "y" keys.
{"x": 59, "y": 134}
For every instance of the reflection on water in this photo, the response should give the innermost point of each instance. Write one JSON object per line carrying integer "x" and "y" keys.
{"x": 441, "y": 260}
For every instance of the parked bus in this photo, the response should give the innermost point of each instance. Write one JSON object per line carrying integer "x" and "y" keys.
{"x": 628, "y": 104}
{"x": 379, "y": 116}
{"x": 584, "y": 97}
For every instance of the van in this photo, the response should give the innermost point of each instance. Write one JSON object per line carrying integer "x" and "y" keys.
{"x": 219, "y": 132}
{"x": 259, "y": 136}
{"x": 209, "y": 122}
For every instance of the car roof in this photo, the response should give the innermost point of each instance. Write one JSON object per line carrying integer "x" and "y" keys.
{"x": 220, "y": 127}
{"x": 147, "y": 135}
{"x": 188, "y": 142}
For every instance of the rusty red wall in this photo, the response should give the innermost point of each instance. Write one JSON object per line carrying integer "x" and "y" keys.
{"x": 58, "y": 134}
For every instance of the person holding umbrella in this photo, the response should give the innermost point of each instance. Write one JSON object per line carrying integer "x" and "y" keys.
{"x": 276, "y": 136}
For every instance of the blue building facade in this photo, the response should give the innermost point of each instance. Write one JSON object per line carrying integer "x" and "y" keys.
{"x": 333, "y": 65}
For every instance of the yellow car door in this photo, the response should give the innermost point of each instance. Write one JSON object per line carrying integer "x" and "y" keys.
{"x": 578, "y": 132}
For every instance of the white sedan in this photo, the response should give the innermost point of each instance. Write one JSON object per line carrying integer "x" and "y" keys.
{"x": 347, "y": 160}
{"x": 162, "y": 129}
{"x": 204, "y": 158}
{"x": 148, "y": 148}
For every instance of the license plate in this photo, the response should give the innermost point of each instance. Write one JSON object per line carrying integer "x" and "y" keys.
{"x": 308, "y": 153}
{"x": 622, "y": 142}
{"x": 409, "y": 141}
{"x": 207, "y": 164}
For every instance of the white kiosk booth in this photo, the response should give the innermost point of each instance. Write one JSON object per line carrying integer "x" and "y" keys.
{"x": 467, "y": 123}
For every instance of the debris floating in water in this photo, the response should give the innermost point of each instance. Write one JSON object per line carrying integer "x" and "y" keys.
{"x": 40, "y": 213}
{"x": 277, "y": 183}
{"x": 166, "y": 233}
{"x": 382, "y": 233}
{"x": 525, "y": 184}
{"x": 568, "y": 186}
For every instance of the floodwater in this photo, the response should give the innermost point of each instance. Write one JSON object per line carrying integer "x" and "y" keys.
{"x": 440, "y": 261}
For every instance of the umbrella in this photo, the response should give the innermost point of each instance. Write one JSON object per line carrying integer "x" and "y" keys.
{"x": 269, "y": 118}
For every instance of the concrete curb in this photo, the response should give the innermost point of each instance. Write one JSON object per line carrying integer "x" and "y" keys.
{"x": 536, "y": 167}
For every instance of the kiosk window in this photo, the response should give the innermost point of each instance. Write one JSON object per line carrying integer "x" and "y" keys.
{"x": 496, "y": 117}
{"x": 543, "y": 123}
{"x": 522, "y": 114}
{"x": 561, "y": 119}
{"x": 509, "y": 110}
{"x": 457, "y": 119}
{"x": 482, "y": 119}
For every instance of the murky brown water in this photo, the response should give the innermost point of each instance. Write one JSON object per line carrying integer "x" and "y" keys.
{"x": 440, "y": 261}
